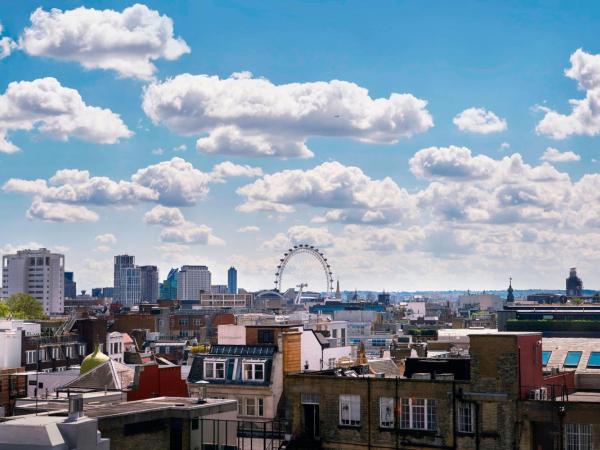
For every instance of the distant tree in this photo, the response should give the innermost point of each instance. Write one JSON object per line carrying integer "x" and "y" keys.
{"x": 4, "y": 311}
{"x": 24, "y": 306}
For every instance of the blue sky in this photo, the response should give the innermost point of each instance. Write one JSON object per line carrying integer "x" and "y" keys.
{"x": 502, "y": 57}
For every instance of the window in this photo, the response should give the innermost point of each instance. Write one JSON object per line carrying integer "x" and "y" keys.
{"x": 546, "y": 357}
{"x": 183, "y": 322}
{"x": 214, "y": 370}
{"x": 30, "y": 356}
{"x": 418, "y": 414}
{"x": 81, "y": 349}
{"x": 572, "y": 359}
{"x": 42, "y": 354}
{"x": 55, "y": 352}
{"x": 350, "y": 410}
{"x": 254, "y": 371}
{"x": 578, "y": 436}
{"x": 266, "y": 337}
{"x": 466, "y": 417}
{"x": 594, "y": 361}
{"x": 69, "y": 352}
{"x": 386, "y": 412}
{"x": 253, "y": 406}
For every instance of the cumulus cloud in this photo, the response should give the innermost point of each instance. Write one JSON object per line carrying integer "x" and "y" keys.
{"x": 450, "y": 162}
{"x": 584, "y": 118}
{"x": 60, "y": 212}
{"x": 249, "y": 229}
{"x": 300, "y": 234}
{"x": 333, "y": 186}
{"x": 176, "y": 181}
{"x": 127, "y": 41}
{"x": 107, "y": 238}
{"x": 57, "y": 112}
{"x": 190, "y": 233}
{"x": 162, "y": 215}
{"x": 554, "y": 155}
{"x": 170, "y": 183}
{"x": 7, "y": 45}
{"x": 229, "y": 169}
{"x": 242, "y": 115}
{"x": 479, "y": 120}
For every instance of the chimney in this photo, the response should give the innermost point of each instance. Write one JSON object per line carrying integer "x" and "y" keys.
{"x": 292, "y": 341}
{"x": 75, "y": 406}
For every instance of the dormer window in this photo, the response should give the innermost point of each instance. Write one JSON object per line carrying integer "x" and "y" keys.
{"x": 214, "y": 370}
{"x": 253, "y": 370}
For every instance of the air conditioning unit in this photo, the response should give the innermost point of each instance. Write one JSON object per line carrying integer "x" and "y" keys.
{"x": 534, "y": 394}
{"x": 543, "y": 393}
{"x": 421, "y": 376}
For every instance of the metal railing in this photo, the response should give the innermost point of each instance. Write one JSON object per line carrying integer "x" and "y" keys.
{"x": 215, "y": 434}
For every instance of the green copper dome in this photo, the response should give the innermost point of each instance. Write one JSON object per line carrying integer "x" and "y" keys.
{"x": 94, "y": 360}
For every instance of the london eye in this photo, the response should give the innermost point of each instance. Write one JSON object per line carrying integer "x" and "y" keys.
{"x": 298, "y": 252}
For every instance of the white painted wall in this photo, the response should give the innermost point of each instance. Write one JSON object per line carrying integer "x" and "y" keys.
{"x": 10, "y": 349}
{"x": 314, "y": 356}
{"x": 50, "y": 381}
{"x": 114, "y": 346}
{"x": 231, "y": 335}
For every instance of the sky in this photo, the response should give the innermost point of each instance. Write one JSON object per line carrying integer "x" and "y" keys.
{"x": 420, "y": 145}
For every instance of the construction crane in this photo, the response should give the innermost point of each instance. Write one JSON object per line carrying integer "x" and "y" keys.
{"x": 298, "y": 298}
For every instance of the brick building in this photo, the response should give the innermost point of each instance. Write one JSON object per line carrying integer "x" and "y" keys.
{"x": 468, "y": 405}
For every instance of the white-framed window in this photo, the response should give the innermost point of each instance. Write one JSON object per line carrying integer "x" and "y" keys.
{"x": 466, "y": 417}
{"x": 350, "y": 410}
{"x": 30, "y": 357}
{"x": 69, "y": 351}
{"x": 55, "y": 352}
{"x": 578, "y": 436}
{"x": 253, "y": 371}
{"x": 418, "y": 414}
{"x": 253, "y": 406}
{"x": 214, "y": 370}
{"x": 386, "y": 412}
{"x": 81, "y": 349}
{"x": 43, "y": 355}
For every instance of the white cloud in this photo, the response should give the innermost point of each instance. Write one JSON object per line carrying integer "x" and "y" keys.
{"x": 584, "y": 118}
{"x": 333, "y": 186}
{"x": 180, "y": 148}
{"x": 162, "y": 215}
{"x": 57, "y": 112}
{"x": 229, "y": 169}
{"x": 479, "y": 120}
{"x": 158, "y": 151}
{"x": 249, "y": 229}
{"x": 103, "y": 249}
{"x": 553, "y": 155}
{"x": 176, "y": 181}
{"x": 300, "y": 234}
{"x": 190, "y": 233}
{"x": 60, "y": 212}
{"x": 254, "y": 117}
{"x": 7, "y": 45}
{"x": 172, "y": 183}
{"x": 107, "y": 238}
{"x": 127, "y": 42}
{"x": 450, "y": 162}
{"x": 504, "y": 146}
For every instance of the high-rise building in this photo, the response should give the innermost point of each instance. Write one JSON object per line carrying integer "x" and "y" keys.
{"x": 127, "y": 289}
{"x": 70, "y": 285}
{"x": 38, "y": 273}
{"x": 168, "y": 288}
{"x": 574, "y": 284}
{"x": 149, "y": 283}
{"x": 219, "y": 289}
{"x": 192, "y": 281}
{"x": 232, "y": 280}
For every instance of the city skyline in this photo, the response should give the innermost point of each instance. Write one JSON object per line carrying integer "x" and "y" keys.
{"x": 414, "y": 164}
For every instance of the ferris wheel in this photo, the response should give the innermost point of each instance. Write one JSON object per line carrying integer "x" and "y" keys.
{"x": 304, "y": 249}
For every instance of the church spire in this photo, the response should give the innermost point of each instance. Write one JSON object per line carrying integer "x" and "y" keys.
{"x": 510, "y": 297}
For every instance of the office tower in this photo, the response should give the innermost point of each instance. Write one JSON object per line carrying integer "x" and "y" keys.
{"x": 96, "y": 292}
{"x": 219, "y": 289}
{"x": 149, "y": 283}
{"x": 70, "y": 285}
{"x": 574, "y": 284}
{"x": 38, "y": 273}
{"x": 191, "y": 281}
{"x": 232, "y": 280}
{"x": 127, "y": 291}
{"x": 168, "y": 288}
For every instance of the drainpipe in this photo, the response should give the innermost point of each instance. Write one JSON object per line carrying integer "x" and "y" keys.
{"x": 453, "y": 414}
{"x": 397, "y": 407}
{"x": 369, "y": 409}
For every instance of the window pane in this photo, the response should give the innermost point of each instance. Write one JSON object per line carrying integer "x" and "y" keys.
{"x": 431, "y": 415}
{"x": 578, "y": 436}
{"x": 545, "y": 357}
{"x": 405, "y": 413}
{"x": 258, "y": 372}
{"x": 572, "y": 359}
{"x": 418, "y": 413}
{"x": 594, "y": 360}
{"x": 386, "y": 412}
